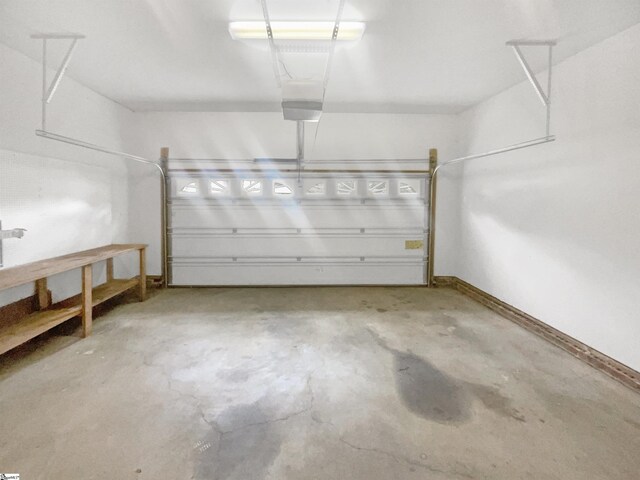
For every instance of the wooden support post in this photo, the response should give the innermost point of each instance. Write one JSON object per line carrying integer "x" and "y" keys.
{"x": 143, "y": 275}
{"x": 109, "y": 269}
{"x": 164, "y": 223}
{"x": 433, "y": 163}
{"x": 433, "y": 159}
{"x": 87, "y": 300}
{"x": 42, "y": 293}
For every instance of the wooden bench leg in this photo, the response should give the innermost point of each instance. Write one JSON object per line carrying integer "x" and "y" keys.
{"x": 43, "y": 294}
{"x": 143, "y": 275}
{"x": 109, "y": 269}
{"x": 87, "y": 300}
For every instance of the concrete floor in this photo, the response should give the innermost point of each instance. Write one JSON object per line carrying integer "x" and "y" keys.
{"x": 322, "y": 383}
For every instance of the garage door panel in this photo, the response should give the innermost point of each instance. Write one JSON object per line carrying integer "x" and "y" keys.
{"x": 249, "y": 229}
{"x": 297, "y": 274}
{"x": 279, "y": 217}
{"x": 293, "y": 246}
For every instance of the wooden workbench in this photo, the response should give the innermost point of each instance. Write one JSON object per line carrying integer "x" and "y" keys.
{"x": 47, "y": 317}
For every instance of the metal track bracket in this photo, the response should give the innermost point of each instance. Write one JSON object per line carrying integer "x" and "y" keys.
{"x": 47, "y": 94}
{"x": 544, "y": 96}
{"x": 48, "y": 90}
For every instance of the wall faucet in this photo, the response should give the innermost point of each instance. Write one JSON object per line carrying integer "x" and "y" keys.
{"x": 5, "y": 234}
{"x": 14, "y": 233}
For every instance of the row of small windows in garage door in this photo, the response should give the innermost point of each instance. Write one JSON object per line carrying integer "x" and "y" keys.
{"x": 310, "y": 187}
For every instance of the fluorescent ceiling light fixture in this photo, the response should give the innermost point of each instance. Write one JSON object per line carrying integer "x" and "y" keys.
{"x": 348, "y": 31}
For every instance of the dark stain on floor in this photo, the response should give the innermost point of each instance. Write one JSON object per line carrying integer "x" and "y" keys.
{"x": 242, "y": 447}
{"x": 434, "y": 395}
{"x": 425, "y": 390}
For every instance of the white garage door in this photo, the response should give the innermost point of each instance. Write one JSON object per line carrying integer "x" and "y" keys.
{"x": 272, "y": 226}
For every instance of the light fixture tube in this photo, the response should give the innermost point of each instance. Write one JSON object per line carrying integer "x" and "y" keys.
{"x": 348, "y": 31}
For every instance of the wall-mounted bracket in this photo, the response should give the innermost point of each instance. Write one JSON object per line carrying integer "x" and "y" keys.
{"x": 48, "y": 90}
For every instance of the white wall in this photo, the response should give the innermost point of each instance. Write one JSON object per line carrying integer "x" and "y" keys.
{"x": 68, "y": 199}
{"x": 555, "y": 230}
{"x": 251, "y": 135}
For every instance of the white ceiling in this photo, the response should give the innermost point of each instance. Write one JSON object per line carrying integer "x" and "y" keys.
{"x": 415, "y": 56}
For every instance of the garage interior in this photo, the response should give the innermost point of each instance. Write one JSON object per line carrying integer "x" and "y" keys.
{"x": 334, "y": 239}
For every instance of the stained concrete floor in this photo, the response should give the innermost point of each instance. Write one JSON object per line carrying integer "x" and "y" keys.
{"x": 322, "y": 383}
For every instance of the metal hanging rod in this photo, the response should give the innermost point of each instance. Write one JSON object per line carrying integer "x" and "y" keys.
{"x": 510, "y": 148}
{"x": 98, "y": 148}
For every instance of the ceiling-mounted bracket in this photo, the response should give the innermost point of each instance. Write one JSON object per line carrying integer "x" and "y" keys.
{"x": 544, "y": 96}
{"x": 334, "y": 38}
{"x": 49, "y": 90}
{"x": 273, "y": 48}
